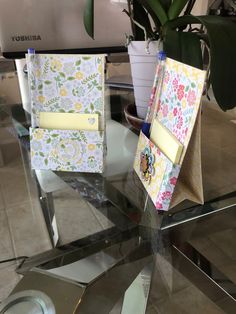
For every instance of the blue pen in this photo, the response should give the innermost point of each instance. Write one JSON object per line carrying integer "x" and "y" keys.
{"x": 31, "y": 53}
{"x": 157, "y": 82}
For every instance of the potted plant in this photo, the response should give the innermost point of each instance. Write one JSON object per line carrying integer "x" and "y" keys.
{"x": 183, "y": 36}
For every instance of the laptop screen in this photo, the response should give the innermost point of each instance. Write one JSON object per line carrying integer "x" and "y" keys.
{"x": 57, "y": 25}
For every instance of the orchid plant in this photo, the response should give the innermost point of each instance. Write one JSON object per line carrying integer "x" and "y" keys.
{"x": 183, "y": 36}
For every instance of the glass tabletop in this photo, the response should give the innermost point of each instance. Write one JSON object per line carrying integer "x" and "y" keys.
{"x": 105, "y": 230}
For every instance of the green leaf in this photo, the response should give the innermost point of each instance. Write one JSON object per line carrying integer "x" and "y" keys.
{"x": 52, "y": 101}
{"x": 71, "y": 78}
{"x": 184, "y": 47}
{"x": 41, "y": 154}
{"x": 40, "y": 86}
{"x": 158, "y": 9}
{"x": 77, "y": 63}
{"x": 46, "y": 161}
{"x": 62, "y": 74}
{"x": 166, "y": 4}
{"x": 48, "y": 140}
{"x": 46, "y": 67}
{"x": 89, "y": 18}
{"x": 47, "y": 82}
{"x": 176, "y": 8}
{"x": 86, "y": 58}
{"x": 140, "y": 15}
{"x": 55, "y": 135}
{"x": 222, "y": 42}
{"x": 92, "y": 106}
{"x": 222, "y": 38}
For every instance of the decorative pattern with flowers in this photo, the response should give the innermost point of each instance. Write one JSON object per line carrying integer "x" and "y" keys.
{"x": 66, "y": 83}
{"x": 74, "y": 84}
{"x": 147, "y": 159}
{"x": 159, "y": 166}
{"x": 66, "y": 150}
{"x": 178, "y": 106}
{"x": 180, "y": 98}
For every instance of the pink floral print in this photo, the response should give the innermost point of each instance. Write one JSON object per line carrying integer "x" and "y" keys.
{"x": 166, "y": 195}
{"x": 175, "y": 111}
{"x": 167, "y": 77}
{"x": 180, "y": 92}
{"x": 158, "y": 205}
{"x": 179, "y": 122}
{"x": 165, "y": 110}
{"x": 175, "y": 83}
{"x": 173, "y": 180}
{"x": 191, "y": 98}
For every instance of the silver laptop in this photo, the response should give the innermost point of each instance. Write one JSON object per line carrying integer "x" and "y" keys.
{"x": 49, "y": 25}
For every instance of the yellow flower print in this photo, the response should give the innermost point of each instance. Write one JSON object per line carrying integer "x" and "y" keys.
{"x": 79, "y": 75}
{"x": 62, "y": 169}
{"x": 184, "y": 103}
{"x": 91, "y": 146}
{"x": 100, "y": 68}
{"x": 56, "y": 65}
{"x": 37, "y": 73}
{"x": 54, "y": 153}
{"x": 79, "y": 162}
{"x": 41, "y": 98}
{"x": 39, "y": 134}
{"x": 63, "y": 92}
{"x": 171, "y": 116}
{"x": 164, "y": 86}
{"x": 78, "y": 106}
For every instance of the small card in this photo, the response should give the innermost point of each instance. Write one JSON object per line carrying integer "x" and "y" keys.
{"x": 166, "y": 141}
{"x": 68, "y": 121}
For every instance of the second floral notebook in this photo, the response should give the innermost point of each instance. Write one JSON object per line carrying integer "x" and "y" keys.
{"x": 159, "y": 158}
{"x": 68, "y": 125}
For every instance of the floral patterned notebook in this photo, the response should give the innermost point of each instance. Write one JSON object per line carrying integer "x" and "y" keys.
{"x": 67, "y": 84}
{"x": 178, "y": 104}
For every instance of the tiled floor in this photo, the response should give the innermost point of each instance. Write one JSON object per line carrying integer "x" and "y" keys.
{"x": 20, "y": 231}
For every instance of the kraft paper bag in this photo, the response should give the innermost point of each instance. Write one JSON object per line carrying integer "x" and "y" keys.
{"x": 189, "y": 185}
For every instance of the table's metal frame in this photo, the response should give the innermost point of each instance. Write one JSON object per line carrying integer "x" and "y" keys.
{"x": 178, "y": 228}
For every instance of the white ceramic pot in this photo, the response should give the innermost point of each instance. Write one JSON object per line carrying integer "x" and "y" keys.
{"x": 143, "y": 68}
{"x": 23, "y": 83}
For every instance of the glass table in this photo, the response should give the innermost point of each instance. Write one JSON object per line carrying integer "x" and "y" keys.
{"x": 139, "y": 260}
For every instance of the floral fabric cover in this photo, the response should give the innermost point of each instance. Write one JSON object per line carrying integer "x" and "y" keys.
{"x": 73, "y": 84}
{"x": 178, "y": 104}
{"x": 67, "y": 150}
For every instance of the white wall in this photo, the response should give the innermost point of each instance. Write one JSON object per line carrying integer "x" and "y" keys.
{"x": 201, "y": 7}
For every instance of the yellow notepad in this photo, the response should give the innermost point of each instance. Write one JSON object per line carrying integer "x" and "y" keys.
{"x": 166, "y": 141}
{"x": 68, "y": 121}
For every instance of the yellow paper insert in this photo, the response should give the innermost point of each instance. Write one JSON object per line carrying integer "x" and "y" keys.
{"x": 166, "y": 141}
{"x": 68, "y": 121}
